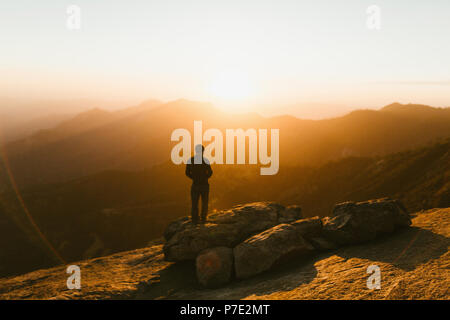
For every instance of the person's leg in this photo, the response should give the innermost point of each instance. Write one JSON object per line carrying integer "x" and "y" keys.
{"x": 195, "y": 194}
{"x": 205, "y": 198}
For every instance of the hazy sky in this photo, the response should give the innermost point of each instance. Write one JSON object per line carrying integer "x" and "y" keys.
{"x": 241, "y": 53}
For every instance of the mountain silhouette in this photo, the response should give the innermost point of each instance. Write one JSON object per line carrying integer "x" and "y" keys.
{"x": 139, "y": 138}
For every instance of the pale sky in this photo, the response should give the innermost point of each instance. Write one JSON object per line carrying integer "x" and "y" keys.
{"x": 237, "y": 53}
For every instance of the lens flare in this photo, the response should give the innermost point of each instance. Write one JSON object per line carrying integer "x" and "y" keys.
{"x": 46, "y": 243}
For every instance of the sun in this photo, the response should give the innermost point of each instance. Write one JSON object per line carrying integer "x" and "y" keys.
{"x": 231, "y": 85}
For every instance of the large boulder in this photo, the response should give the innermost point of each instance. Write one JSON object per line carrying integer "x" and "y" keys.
{"x": 186, "y": 244}
{"x": 311, "y": 230}
{"x": 176, "y": 226}
{"x": 357, "y": 222}
{"x": 214, "y": 266}
{"x": 226, "y": 228}
{"x": 309, "y": 227}
{"x": 290, "y": 214}
{"x": 268, "y": 249}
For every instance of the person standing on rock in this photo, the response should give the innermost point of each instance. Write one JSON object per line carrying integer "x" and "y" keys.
{"x": 199, "y": 170}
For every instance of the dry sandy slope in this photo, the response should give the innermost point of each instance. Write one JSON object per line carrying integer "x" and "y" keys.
{"x": 414, "y": 263}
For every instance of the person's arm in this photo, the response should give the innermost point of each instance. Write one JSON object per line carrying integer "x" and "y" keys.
{"x": 209, "y": 171}
{"x": 189, "y": 170}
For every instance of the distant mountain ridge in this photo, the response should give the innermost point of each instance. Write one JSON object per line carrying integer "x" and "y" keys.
{"x": 21, "y": 117}
{"x": 411, "y": 107}
{"x": 139, "y": 138}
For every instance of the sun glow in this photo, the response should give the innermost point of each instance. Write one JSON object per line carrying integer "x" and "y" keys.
{"x": 231, "y": 86}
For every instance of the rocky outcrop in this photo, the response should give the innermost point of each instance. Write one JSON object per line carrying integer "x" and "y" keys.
{"x": 311, "y": 229}
{"x": 308, "y": 228}
{"x": 414, "y": 265}
{"x": 274, "y": 246}
{"x": 353, "y": 223}
{"x": 176, "y": 226}
{"x": 214, "y": 266}
{"x": 290, "y": 214}
{"x": 226, "y": 228}
{"x": 269, "y": 248}
{"x": 262, "y": 235}
{"x": 188, "y": 243}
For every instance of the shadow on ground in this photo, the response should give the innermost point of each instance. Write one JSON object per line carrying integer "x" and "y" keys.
{"x": 406, "y": 249}
{"x": 181, "y": 277}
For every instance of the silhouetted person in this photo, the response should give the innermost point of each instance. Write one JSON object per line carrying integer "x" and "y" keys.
{"x": 199, "y": 171}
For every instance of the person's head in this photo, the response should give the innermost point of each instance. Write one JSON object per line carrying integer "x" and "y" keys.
{"x": 199, "y": 149}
